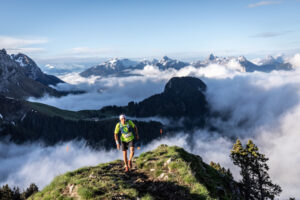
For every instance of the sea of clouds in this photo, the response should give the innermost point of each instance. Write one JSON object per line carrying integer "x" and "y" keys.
{"x": 264, "y": 107}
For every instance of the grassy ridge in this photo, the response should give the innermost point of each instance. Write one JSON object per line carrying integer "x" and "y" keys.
{"x": 67, "y": 114}
{"x": 165, "y": 173}
{"x": 53, "y": 111}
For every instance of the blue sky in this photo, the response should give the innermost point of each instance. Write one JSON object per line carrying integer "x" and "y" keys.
{"x": 140, "y": 28}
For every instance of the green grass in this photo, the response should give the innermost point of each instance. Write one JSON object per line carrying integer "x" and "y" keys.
{"x": 186, "y": 172}
{"x": 181, "y": 171}
{"x": 147, "y": 197}
{"x": 67, "y": 114}
{"x": 53, "y": 111}
{"x": 86, "y": 192}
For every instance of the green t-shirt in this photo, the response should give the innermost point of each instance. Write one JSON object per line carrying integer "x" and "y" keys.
{"x": 126, "y": 130}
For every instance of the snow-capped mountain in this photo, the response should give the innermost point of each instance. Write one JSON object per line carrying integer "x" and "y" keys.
{"x": 115, "y": 66}
{"x": 167, "y": 62}
{"x": 164, "y": 63}
{"x": 273, "y": 63}
{"x": 264, "y": 65}
{"x": 20, "y": 77}
{"x": 212, "y": 59}
{"x": 268, "y": 60}
{"x": 122, "y": 67}
{"x": 33, "y": 71}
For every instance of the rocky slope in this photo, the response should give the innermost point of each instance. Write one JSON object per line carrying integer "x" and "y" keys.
{"x": 165, "y": 173}
{"x": 33, "y": 71}
{"x": 21, "y": 78}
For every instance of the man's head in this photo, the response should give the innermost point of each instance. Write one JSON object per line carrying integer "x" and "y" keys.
{"x": 122, "y": 118}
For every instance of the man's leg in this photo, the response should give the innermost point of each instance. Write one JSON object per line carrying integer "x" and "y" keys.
{"x": 125, "y": 159}
{"x": 131, "y": 156}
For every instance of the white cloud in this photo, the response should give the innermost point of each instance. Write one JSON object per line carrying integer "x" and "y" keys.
{"x": 49, "y": 66}
{"x": 28, "y": 163}
{"x": 24, "y": 164}
{"x": 25, "y": 50}
{"x": 270, "y": 34}
{"x": 281, "y": 144}
{"x": 121, "y": 90}
{"x": 261, "y": 106}
{"x": 88, "y": 52}
{"x": 75, "y": 78}
{"x": 12, "y": 42}
{"x": 104, "y": 91}
{"x": 295, "y": 60}
{"x": 263, "y": 3}
{"x": 24, "y": 45}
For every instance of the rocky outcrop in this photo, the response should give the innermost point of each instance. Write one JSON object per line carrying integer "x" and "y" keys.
{"x": 183, "y": 97}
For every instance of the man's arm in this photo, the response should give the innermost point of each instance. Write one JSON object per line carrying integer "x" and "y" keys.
{"x": 117, "y": 141}
{"x": 116, "y": 137}
{"x": 117, "y": 129}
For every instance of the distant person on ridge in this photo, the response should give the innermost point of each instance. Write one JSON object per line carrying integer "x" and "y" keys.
{"x": 127, "y": 138}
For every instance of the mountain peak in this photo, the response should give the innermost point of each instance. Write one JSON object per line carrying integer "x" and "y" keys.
{"x": 3, "y": 51}
{"x": 23, "y": 78}
{"x": 164, "y": 173}
{"x": 113, "y": 60}
{"x": 23, "y": 60}
{"x": 269, "y": 59}
{"x": 211, "y": 57}
{"x": 182, "y": 84}
{"x": 165, "y": 58}
{"x": 242, "y": 59}
{"x": 4, "y": 57}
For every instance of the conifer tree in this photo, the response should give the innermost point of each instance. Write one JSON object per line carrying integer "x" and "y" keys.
{"x": 240, "y": 158}
{"x": 256, "y": 183}
{"x": 6, "y": 193}
{"x": 263, "y": 186}
{"x": 221, "y": 170}
{"x": 30, "y": 190}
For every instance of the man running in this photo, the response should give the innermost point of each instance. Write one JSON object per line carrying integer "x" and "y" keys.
{"x": 127, "y": 138}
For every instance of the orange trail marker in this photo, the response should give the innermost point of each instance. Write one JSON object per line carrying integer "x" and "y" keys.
{"x": 161, "y": 131}
{"x": 67, "y": 148}
{"x": 138, "y": 148}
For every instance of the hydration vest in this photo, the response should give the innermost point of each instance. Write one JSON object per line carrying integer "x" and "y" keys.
{"x": 126, "y": 132}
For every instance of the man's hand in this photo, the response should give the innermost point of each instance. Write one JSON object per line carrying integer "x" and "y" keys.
{"x": 118, "y": 144}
